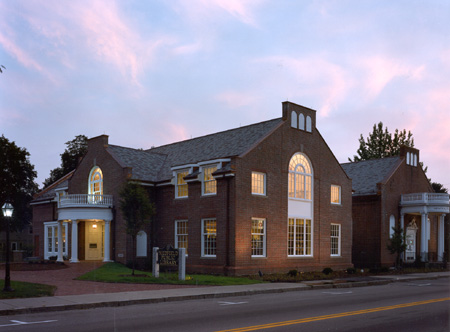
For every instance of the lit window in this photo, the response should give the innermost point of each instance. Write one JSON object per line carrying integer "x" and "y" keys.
{"x": 209, "y": 184}
{"x": 209, "y": 236}
{"x": 96, "y": 183}
{"x": 181, "y": 189}
{"x": 335, "y": 194}
{"x": 300, "y": 177}
{"x": 335, "y": 239}
{"x": 258, "y": 183}
{"x": 181, "y": 234}
{"x": 391, "y": 226}
{"x": 51, "y": 239}
{"x": 299, "y": 237}
{"x": 258, "y": 238}
{"x": 141, "y": 244}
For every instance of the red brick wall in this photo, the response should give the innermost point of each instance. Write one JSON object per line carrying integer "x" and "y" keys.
{"x": 41, "y": 213}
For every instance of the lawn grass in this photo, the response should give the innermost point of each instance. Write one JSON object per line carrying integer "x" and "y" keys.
{"x": 26, "y": 289}
{"x": 115, "y": 272}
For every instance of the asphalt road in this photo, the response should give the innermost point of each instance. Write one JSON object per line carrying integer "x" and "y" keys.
{"x": 404, "y": 306}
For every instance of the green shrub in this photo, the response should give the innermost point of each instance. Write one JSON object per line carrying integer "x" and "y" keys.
{"x": 293, "y": 273}
{"x": 327, "y": 270}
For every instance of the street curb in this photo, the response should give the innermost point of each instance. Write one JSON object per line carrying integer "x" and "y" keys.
{"x": 83, "y": 306}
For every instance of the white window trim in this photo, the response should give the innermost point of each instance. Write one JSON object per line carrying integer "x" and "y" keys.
{"x": 312, "y": 236}
{"x": 264, "y": 184}
{"x": 264, "y": 238}
{"x": 176, "y": 182}
{"x": 187, "y": 234}
{"x": 339, "y": 200}
{"x": 202, "y": 168}
{"x": 203, "y": 239}
{"x": 47, "y": 253}
{"x": 339, "y": 242}
{"x": 310, "y": 175}
{"x": 91, "y": 183}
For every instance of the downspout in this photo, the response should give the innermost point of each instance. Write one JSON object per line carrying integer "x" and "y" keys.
{"x": 227, "y": 218}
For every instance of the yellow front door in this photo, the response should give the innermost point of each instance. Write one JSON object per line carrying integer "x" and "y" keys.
{"x": 94, "y": 240}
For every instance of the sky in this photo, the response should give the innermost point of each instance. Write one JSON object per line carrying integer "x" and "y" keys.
{"x": 149, "y": 73}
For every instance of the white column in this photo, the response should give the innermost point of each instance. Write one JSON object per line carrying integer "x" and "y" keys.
{"x": 402, "y": 221}
{"x": 60, "y": 242}
{"x": 441, "y": 238}
{"x": 107, "y": 257}
{"x": 424, "y": 238}
{"x": 74, "y": 258}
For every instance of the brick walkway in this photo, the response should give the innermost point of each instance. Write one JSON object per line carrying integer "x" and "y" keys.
{"x": 63, "y": 279}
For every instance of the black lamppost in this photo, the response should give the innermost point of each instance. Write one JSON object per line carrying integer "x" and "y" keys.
{"x": 7, "y": 209}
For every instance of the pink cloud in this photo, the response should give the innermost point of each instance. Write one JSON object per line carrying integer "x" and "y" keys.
{"x": 18, "y": 53}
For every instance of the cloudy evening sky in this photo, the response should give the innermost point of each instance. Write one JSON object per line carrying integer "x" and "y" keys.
{"x": 148, "y": 73}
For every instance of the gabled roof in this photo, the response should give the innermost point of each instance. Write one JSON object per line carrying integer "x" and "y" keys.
{"x": 49, "y": 193}
{"x": 155, "y": 164}
{"x": 366, "y": 174}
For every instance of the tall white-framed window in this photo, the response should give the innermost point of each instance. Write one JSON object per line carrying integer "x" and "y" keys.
{"x": 300, "y": 177}
{"x": 181, "y": 234}
{"x": 335, "y": 239}
{"x": 299, "y": 237}
{"x": 141, "y": 244}
{"x": 335, "y": 194}
{"x": 258, "y": 183}
{"x": 258, "y": 237}
{"x": 181, "y": 187}
{"x": 308, "y": 124}
{"x": 209, "y": 184}
{"x": 391, "y": 226}
{"x": 96, "y": 181}
{"x": 293, "y": 119}
{"x": 51, "y": 239}
{"x": 301, "y": 121}
{"x": 209, "y": 237}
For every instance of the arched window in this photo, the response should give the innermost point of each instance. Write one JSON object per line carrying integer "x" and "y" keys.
{"x": 293, "y": 119}
{"x": 308, "y": 124}
{"x": 300, "y": 177}
{"x": 141, "y": 244}
{"x": 96, "y": 181}
{"x": 415, "y": 159}
{"x": 407, "y": 159}
{"x": 301, "y": 121}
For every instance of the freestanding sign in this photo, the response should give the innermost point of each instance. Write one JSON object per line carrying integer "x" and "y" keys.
{"x": 169, "y": 256}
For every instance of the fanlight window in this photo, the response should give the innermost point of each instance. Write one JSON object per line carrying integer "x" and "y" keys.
{"x": 96, "y": 181}
{"x": 300, "y": 177}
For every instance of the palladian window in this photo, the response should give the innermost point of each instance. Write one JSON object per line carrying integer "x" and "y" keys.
{"x": 300, "y": 177}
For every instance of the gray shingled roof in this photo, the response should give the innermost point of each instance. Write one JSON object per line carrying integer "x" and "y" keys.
{"x": 366, "y": 174}
{"x": 145, "y": 166}
{"x": 155, "y": 164}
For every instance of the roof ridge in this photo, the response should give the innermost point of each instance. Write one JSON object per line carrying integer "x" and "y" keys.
{"x": 370, "y": 160}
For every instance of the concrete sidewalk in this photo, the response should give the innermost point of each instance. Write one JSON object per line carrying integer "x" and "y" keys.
{"x": 87, "y": 301}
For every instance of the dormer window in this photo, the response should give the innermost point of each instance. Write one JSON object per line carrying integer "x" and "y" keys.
{"x": 209, "y": 184}
{"x": 96, "y": 181}
{"x": 181, "y": 187}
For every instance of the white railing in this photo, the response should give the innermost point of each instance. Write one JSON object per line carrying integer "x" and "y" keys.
{"x": 86, "y": 200}
{"x": 427, "y": 198}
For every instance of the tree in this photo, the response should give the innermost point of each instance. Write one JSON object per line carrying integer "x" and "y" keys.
{"x": 397, "y": 244}
{"x": 17, "y": 184}
{"x": 439, "y": 188}
{"x": 1, "y": 66}
{"x": 137, "y": 211}
{"x": 75, "y": 150}
{"x": 381, "y": 143}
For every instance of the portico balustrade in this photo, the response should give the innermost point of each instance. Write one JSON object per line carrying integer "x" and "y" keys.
{"x": 424, "y": 198}
{"x": 82, "y": 200}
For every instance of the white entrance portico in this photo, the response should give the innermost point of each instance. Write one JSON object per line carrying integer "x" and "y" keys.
{"x": 423, "y": 206}
{"x": 94, "y": 212}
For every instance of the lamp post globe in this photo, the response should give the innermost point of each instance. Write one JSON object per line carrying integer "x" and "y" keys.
{"x": 7, "y": 210}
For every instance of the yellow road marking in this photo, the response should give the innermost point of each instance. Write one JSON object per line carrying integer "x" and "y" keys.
{"x": 343, "y": 314}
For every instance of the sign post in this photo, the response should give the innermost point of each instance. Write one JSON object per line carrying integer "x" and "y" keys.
{"x": 169, "y": 256}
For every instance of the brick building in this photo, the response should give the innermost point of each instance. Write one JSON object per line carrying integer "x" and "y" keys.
{"x": 390, "y": 192}
{"x": 265, "y": 197}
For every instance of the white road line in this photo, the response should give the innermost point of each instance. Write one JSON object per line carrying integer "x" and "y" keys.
{"x": 18, "y": 322}
{"x": 231, "y": 303}
{"x": 337, "y": 293}
{"x": 419, "y": 285}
